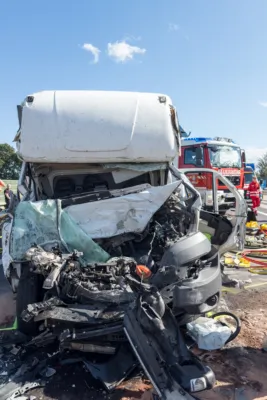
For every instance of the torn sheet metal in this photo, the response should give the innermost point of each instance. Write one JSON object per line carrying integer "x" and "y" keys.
{"x": 90, "y": 348}
{"x": 157, "y": 368}
{"x": 24, "y": 389}
{"x": 112, "y": 217}
{"x": 83, "y": 315}
{"x": 36, "y": 308}
{"x": 142, "y": 167}
{"x": 111, "y": 377}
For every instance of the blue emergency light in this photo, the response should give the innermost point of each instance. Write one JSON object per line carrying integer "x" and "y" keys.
{"x": 198, "y": 139}
{"x": 251, "y": 165}
{"x": 205, "y": 139}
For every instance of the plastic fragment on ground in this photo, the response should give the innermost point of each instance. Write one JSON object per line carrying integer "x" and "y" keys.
{"x": 208, "y": 333}
{"x": 236, "y": 260}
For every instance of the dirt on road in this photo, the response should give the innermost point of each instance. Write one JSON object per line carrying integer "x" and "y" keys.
{"x": 240, "y": 368}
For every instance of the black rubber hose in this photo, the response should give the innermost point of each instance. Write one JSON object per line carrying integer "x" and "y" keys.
{"x": 237, "y": 320}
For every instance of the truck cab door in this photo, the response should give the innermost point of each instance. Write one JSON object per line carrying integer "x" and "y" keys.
{"x": 226, "y": 232}
{"x": 191, "y": 157}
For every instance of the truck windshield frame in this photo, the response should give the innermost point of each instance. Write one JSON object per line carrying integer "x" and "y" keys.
{"x": 225, "y": 156}
{"x": 249, "y": 177}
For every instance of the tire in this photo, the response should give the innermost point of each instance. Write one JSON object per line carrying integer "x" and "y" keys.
{"x": 29, "y": 291}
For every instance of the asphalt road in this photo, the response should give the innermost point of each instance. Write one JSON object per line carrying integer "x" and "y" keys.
{"x": 262, "y": 211}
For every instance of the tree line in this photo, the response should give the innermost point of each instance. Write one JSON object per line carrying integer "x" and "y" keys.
{"x": 10, "y": 163}
{"x": 262, "y": 167}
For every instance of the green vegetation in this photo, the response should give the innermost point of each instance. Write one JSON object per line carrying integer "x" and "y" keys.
{"x": 13, "y": 184}
{"x": 10, "y": 166}
{"x": 10, "y": 163}
{"x": 262, "y": 166}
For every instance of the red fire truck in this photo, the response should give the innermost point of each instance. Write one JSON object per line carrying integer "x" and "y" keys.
{"x": 220, "y": 154}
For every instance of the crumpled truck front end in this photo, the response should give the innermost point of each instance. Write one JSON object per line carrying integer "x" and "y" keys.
{"x": 106, "y": 249}
{"x": 92, "y": 274}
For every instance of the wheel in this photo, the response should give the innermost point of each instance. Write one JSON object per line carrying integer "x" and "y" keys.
{"x": 29, "y": 291}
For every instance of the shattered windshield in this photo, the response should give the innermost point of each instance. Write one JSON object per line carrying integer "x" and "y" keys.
{"x": 224, "y": 156}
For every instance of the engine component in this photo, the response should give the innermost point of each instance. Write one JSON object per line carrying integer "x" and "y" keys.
{"x": 90, "y": 348}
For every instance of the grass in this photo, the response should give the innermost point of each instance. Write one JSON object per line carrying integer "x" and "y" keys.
{"x": 13, "y": 184}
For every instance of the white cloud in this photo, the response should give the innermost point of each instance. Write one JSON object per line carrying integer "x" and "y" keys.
{"x": 263, "y": 103}
{"x": 254, "y": 153}
{"x": 173, "y": 27}
{"x": 123, "y": 51}
{"x": 92, "y": 49}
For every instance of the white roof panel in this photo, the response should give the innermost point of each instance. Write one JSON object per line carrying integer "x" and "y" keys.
{"x": 97, "y": 126}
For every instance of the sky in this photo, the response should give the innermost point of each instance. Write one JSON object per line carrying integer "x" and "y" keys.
{"x": 209, "y": 56}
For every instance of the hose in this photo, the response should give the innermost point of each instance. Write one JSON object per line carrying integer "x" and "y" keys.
{"x": 256, "y": 257}
{"x": 231, "y": 315}
{"x": 248, "y": 256}
{"x": 258, "y": 254}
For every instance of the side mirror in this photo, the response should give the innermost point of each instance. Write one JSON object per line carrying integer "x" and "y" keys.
{"x": 243, "y": 156}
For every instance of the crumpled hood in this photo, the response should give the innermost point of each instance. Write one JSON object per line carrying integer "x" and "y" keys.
{"x": 76, "y": 226}
{"x": 129, "y": 213}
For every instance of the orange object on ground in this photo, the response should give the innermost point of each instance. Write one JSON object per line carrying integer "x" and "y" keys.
{"x": 2, "y": 184}
{"x": 143, "y": 271}
{"x": 248, "y": 255}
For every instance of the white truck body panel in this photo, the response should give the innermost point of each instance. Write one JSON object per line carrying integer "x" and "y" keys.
{"x": 97, "y": 127}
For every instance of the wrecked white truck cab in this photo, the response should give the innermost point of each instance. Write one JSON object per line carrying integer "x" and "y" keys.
{"x": 100, "y": 201}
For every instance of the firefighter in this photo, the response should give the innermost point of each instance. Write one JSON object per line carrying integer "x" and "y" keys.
{"x": 254, "y": 194}
{"x": 7, "y": 194}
